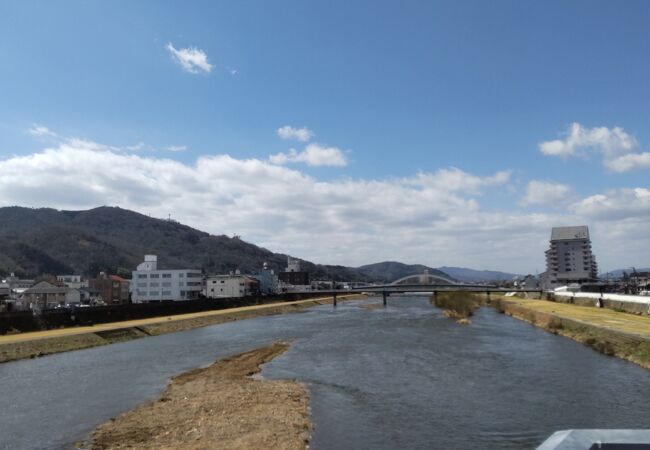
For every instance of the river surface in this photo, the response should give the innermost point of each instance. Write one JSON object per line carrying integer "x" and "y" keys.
{"x": 401, "y": 377}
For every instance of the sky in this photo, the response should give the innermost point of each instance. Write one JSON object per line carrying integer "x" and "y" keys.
{"x": 450, "y": 133}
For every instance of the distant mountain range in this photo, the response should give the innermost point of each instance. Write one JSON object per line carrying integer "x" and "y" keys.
{"x": 390, "y": 271}
{"x": 475, "y": 276}
{"x": 46, "y": 241}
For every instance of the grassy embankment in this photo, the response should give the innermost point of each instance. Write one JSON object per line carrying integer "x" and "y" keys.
{"x": 42, "y": 343}
{"x": 612, "y": 333}
{"x": 217, "y": 407}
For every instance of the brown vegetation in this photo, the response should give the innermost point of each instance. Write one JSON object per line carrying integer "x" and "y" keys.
{"x": 218, "y": 407}
{"x": 457, "y": 305}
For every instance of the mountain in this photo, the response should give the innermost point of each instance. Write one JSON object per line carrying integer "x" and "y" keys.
{"x": 390, "y": 271}
{"x": 474, "y": 276}
{"x": 115, "y": 240}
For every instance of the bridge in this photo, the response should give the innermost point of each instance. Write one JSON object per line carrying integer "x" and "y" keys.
{"x": 387, "y": 289}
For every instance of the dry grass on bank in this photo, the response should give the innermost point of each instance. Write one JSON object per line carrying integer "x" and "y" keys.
{"x": 457, "y": 305}
{"x": 218, "y": 407}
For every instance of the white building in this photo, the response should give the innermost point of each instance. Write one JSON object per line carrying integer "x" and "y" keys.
{"x": 150, "y": 284}
{"x": 233, "y": 285}
{"x": 293, "y": 264}
{"x": 72, "y": 281}
{"x": 569, "y": 258}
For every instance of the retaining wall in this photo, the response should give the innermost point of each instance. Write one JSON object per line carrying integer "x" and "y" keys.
{"x": 23, "y": 321}
{"x": 635, "y": 304}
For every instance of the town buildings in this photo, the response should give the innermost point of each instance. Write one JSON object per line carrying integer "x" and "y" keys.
{"x": 46, "y": 295}
{"x": 232, "y": 285}
{"x": 293, "y": 277}
{"x": 150, "y": 284}
{"x": 110, "y": 289}
{"x": 72, "y": 281}
{"x": 569, "y": 258}
{"x": 268, "y": 280}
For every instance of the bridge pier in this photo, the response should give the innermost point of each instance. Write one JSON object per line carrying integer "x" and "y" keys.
{"x": 334, "y": 300}
{"x": 384, "y": 295}
{"x": 488, "y": 296}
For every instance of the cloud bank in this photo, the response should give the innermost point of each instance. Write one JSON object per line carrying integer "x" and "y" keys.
{"x": 616, "y": 147}
{"x": 431, "y": 217}
{"x": 313, "y": 155}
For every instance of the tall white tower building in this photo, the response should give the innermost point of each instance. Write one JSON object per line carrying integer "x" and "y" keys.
{"x": 569, "y": 258}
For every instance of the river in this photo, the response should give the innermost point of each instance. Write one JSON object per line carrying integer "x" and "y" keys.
{"x": 397, "y": 377}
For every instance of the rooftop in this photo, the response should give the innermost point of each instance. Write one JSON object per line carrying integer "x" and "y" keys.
{"x": 567, "y": 233}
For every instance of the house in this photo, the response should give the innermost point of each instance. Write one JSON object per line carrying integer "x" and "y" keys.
{"x": 112, "y": 289}
{"x": 232, "y": 285}
{"x": 150, "y": 284}
{"x": 45, "y": 295}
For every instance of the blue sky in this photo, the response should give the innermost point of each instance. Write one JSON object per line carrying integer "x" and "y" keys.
{"x": 394, "y": 90}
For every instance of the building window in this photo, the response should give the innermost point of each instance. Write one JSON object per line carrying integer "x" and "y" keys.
{"x": 155, "y": 275}
{"x": 166, "y": 284}
{"x": 181, "y": 275}
{"x": 142, "y": 275}
{"x": 166, "y": 275}
{"x": 168, "y": 293}
{"x": 153, "y": 285}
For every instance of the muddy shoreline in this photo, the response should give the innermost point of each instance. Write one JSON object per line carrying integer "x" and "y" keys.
{"x": 50, "y": 345}
{"x": 217, "y": 407}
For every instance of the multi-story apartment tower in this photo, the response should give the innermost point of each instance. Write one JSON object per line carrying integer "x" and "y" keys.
{"x": 569, "y": 258}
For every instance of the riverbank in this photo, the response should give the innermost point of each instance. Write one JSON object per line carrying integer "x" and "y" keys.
{"x": 42, "y": 343}
{"x": 217, "y": 407}
{"x": 612, "y": 333}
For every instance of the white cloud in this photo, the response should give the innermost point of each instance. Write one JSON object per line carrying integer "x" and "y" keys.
{"x": 192, "y": 60}
{"x": 40, "y": 130}
{"x": 313, "y": 155}
{"x": 176, "y": 148}
{"x": 610, "y": 142}
{"x": 455, "y": 180}
{"x": 617, "y": 147}
{"x": 546, "y": 193}
{"x": 629, "y": 162}
{"x": 616, "y": 204}
{"x": 299, "y": 134}
{"x": 433, "y": 218}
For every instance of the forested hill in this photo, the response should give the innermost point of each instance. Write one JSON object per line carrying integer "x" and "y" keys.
{"x": 39, "y": 241}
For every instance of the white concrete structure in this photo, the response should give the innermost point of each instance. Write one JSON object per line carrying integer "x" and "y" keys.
{"x": 72, "y": 281}
{"x": 569, "y": 258}
{"x": 150, "y": 284}
{"x": 225, "y": 286}
{"x": 293, "y": 265}
{"x": 595, "y": 296}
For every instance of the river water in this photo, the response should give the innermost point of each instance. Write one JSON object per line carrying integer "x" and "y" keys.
{"x": 401, "y": 377}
